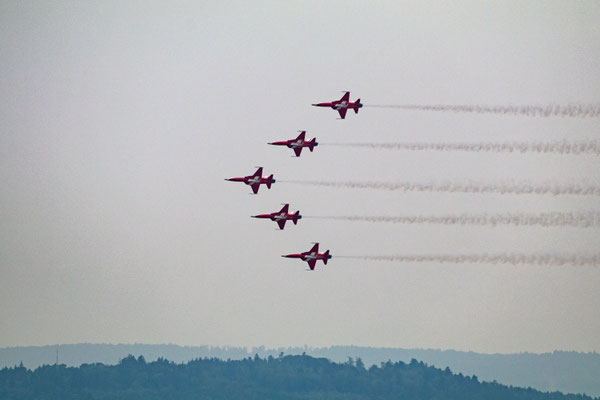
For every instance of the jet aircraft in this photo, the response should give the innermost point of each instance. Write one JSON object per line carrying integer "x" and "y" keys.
{"x": 342, "y": 105}
{"x": 282, "y": 216}
{"x": 311, "y": 256}
{"x": 298, "y": 144}
{"x": 255, "y": 180}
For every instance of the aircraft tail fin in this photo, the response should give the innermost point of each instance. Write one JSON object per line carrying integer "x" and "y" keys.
{"x": 326, "y": 254}
{"x": 356, "y": 103}
{"x": 270, "y": 181}
{"x": 312, "y": 144}
{"x": 296, "y": 217}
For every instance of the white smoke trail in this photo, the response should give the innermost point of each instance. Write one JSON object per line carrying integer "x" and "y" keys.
{"x": 571, "y": 110}
{"x": 470, "y": 187}
{"x": 550, "y": 219}
{"x": 513, "y": 259}
{"x": 563, "y": 147}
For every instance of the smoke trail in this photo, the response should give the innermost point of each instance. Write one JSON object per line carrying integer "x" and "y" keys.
{"x": 563, "y": 147}
{"x": 571, "y": 110}
{"x": 470, "y": 187}
{"x": 550, "y": 219}
{"x": 513, "y": 259}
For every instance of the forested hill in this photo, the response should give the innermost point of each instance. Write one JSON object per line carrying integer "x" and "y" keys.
{"x": 567, "y": 372}
{"x": 285, "y": 377}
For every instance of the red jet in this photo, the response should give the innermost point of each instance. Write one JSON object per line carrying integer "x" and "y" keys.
{"x": 282, "y": 216}
{"x": 255, "y": 180}
{"x": 312, "y": 256}
{"x": 298, "y": 144}
{"x": 342, "y": 105}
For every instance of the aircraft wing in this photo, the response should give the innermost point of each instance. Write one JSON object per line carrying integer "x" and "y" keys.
{"x": 258, "y": 172}
{"x": 346, "y": 97}
{"x": 285, "y": 208}
{"x": 281, "y": 223}
{"x": 301, "y": 135}
{"x": 298, "y": 151}
{"x": 311, "y": 264}
{"x": 315, "y": 248}
{"x": 342, "y": 112}
{"x": 255, "y": 187}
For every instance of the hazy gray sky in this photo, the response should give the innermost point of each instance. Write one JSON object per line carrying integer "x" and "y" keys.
{"x": 118, "y": 123}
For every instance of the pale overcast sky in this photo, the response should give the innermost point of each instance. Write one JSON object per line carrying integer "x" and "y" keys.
{"x": 118, "y": 123}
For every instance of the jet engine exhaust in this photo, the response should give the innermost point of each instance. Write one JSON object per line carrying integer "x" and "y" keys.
{"x": 469, "y": 187}
{"x": 563, "y": 147}
{"x": 571, "y": 110}
{"x": 549, "y": 219}
{"x": 512, "y": 259}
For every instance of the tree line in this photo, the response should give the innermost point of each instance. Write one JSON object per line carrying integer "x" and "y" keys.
{"x": 283, "y": 377}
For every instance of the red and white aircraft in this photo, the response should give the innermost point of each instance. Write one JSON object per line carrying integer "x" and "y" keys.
{"x": 342, "y": 105}
{"x": 255, "y": 180}
{"x": 311, "y": 256}
{"x": 298, "y": 144}
{"x": 282, "y": 216}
